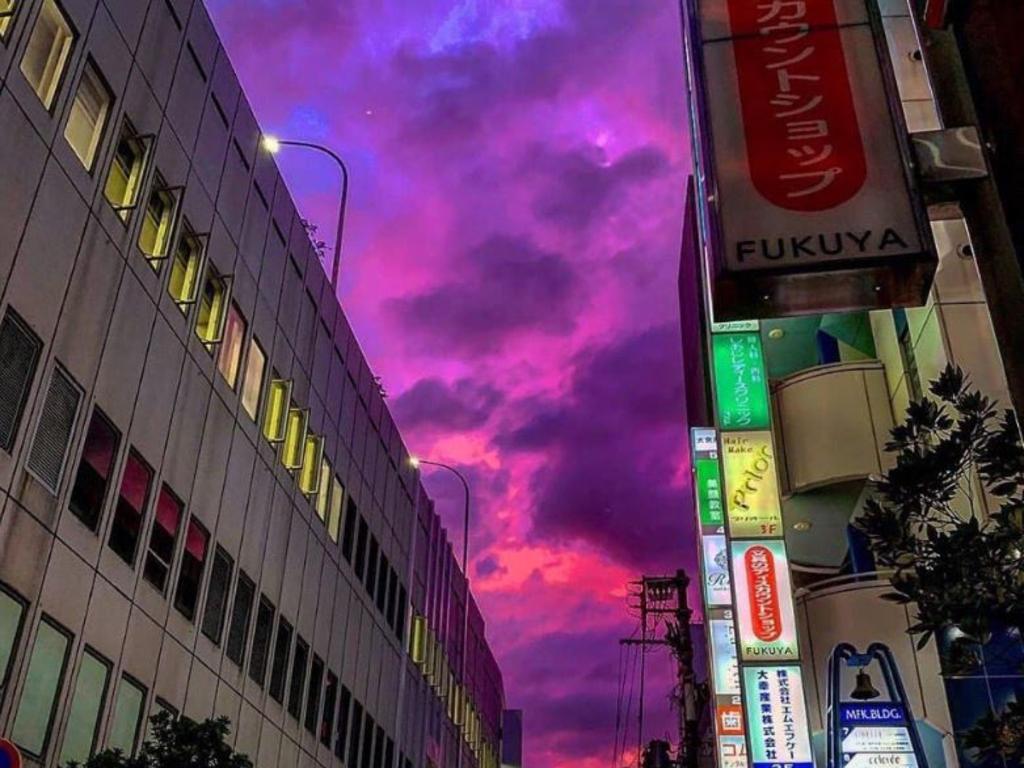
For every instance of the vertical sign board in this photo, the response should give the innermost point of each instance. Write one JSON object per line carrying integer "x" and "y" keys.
{"x": 810, "y": 202}
{"x": 715, "y": 567}
{"x": 876, "y": 734}
{"x": 741, "y": 392}
{"x": 753, "y": 504}
{"x": 764, "y": 602}
{"x": 777, "y": 718}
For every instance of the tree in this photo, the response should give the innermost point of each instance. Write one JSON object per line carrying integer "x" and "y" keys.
{"x": 177, "y": 743}
{"x": 962, "y": 571}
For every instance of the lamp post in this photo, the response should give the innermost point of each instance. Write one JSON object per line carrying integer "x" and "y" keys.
{"x": 273, "y": 145}
{"x": 465, "y": 568}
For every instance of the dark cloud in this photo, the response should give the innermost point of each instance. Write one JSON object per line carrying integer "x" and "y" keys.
{"x": 581, "y": 186}
{"x": 489, "y": 566}
{"x": 503, "y": 287}
{"x": 614, "y": 444}
{"x": 434, "y": 404}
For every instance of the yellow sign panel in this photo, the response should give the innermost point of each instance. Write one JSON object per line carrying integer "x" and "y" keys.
{"x": 753, "y": 506}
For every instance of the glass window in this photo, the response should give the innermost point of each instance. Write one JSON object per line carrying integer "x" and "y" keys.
{"x": 186, "y": 267}
{"x": 293, "y": 450}
{"x": 356, "y": 733}
{"x": 126, "y": 171}
{"x": 158, "y": 223}
{"x": 131, "y": 506}
{"x": 348, "y": 540}
{"x": 382, "y": 584}
{"x": 360, "y": 562}
{"x": 46, "y": 56}
{"x": 19, "y": 354}
{"x": 279, "y": 667}
{"x": 88, "y": 117}
{"x": 163, "y": 538}
{"x": 86, "y": 708}
{"x": 316, "y": 680}
{"x": 45, "y": 677}
{"x": 217, "y": 595}
{"x": 275, "y": 417}
{"x": 252, "y": 383}
{"x": 370, "y": 582}
{"x": 7, "y": 11}
{"x": 368, "y": 726}
{"x": 330, "y": 699}
{"x": 90, "y": 489}
{"x": 241, "y": 614}
{"x": 323, "y": 491}
{"x": 334, "y": 518}
{"x": 298, "y": 679}
{"x": 344, "y": 705}
{"x": 124, "y": 729}
{"x": 261, "y": 641}
{"x": 48, "y": 457}
{"x": 312, "y": 465}
{"x": 378, "y": 749}
{"x": 190, "y": 578}
{"x": 12, "y": 614}
{"x": 230, "y": 358}
{"x": 213, "y": 303}
{"x": 392, "y": 597}
{"x": 401, "y": 610}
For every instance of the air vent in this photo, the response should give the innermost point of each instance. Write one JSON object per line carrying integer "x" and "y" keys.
{"x": 19, "y": 353}
{"x": 53, "y": 434}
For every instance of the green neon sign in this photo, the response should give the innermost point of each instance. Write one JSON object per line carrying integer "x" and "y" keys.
{"x": 741, "y": 388}
{"x": 709, "y": 493}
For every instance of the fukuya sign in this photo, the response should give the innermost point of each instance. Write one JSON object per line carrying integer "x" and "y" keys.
{"x": 802, "y": 151}
{"x": 764, "y": 601}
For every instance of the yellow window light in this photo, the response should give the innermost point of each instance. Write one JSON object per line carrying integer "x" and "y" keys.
{"x": 312, "y": 466}
{"x": 418, "y": 640}
{"x": 186, "y": 269}
{"x": 323, "y": 490}
{"x": 293, "y": 450}
{"x": 334, "y": 516}
{"x": 213, "y": 308}
{"x": 275, "y": 415}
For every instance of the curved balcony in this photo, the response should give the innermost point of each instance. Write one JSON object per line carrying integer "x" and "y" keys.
{"x": 849, "y": 609}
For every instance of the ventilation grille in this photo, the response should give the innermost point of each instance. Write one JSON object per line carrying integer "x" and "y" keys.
{"x": 53, "y": 435}
{"x": 19, "y": 353}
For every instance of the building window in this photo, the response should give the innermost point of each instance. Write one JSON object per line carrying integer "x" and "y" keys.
{"x": 230, "y": 358}
{"x": 186, "y": 596}
{"x": 323, "y": 491}
{"x": 43, "y": 683}
{"x": 86, "y": 708}
{"x": 334, "y": 514}
{"x": 312, "y": 465}
{"x": 12, "y": 616}
{"x": 360, "y": 561}
{"x": 401, "y": 613}
{"x": 46, "y": 56}
{"x": 378, "y": 749}
{"x": 330, "y": 699}
{"x": 252, "y": 382}
{"x": 345, "y": 704}
{"x": 213, "y": 304}
{"x": 382, "y": 584}
{"x": 275, "y": 417}
{"x": 316, "y": 680}
{"x": 370, "y": 580}
{"x": 157, "y": 228}
{"x": 217, "y": 595}
{"x": 186, "y": 267}
{"x": 368, "y": 727}
{"x": 88, "y": 117}
{"x": 297, "y": 684}
{"x": 124, "y": 729}
{"x": 349, "y": 537}
{"x": 163, "y": 538}
{"x": 19, "y": 355}
{"x": 241, "y": 614}
{"x": 7, "y": 11}
{"x": 126, "y": 170}
{"x": 159, "y": 706}
{"x": 279, "y": 666}
{"x": 293, "y": 450}
{"x": 355, "y": 735}
{"x": 94, "y": 468}
{"x": 392, "y": 597}
{"x": 131, "y": 506}
{"x": 52, "y": 440}
{"x": 261, "y": 641}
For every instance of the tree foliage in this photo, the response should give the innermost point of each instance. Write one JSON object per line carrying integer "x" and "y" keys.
{"x": 177, "y": 743}
{"x": 960, "y": 568}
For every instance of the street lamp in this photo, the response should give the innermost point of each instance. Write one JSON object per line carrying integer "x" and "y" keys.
{"x": 273, "y": 145}
{"x": 416, "y": 464}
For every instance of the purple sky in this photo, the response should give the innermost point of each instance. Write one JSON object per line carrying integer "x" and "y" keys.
{"x": 510, "y": 269}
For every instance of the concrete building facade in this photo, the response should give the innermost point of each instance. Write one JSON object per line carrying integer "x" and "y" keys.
{"x": 206, "y": 506}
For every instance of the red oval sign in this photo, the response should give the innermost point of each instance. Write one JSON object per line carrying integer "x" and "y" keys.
{"x": 763, "y": 594}
{"x": 10, "y": 756}
{"x": 804, "y": 146}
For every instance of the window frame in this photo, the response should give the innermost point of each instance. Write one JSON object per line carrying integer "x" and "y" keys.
{"x": 294, "y": 448}
{"x": 61, "y": 680}
{"x": 202, "y": 575}
{"x": 246, "y": 624}
{"x": 257, "y": 407}
{"x": 89, "y": 650}
{"x": 279, "y": 389}
{"x": 91, "y": 67}
{"x": 7, "y": 21}
{"x": 61, "y": 78}
{"x": 159, "y": 186}
{"x": 147, "y": 501}
{"x": 169, "y": 565}
{"x": 312, "y": 465}
{"x": 211, "y": 273}
{"x": 268, "y": 652}
{"x": 19, "y": 633}
{"x": 239, "y": 364}
{"x": 145, "y": 143}
{"x": 215, "y": 633}
{"x": 33, "y": 369}
{"x": 187, "y": 233}
{"x": 133, "y": 682}
{"x": 97, "y": 412}
{"x": 55, "y": 370}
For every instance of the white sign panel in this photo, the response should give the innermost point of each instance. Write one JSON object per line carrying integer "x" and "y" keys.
{"x": 777, "y": 717}
{"x": 716, "y": 571}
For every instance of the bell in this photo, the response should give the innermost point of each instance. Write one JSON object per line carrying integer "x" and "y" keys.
{"x": 864, "y": 690}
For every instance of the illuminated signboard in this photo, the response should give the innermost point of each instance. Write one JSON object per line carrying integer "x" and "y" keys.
{"x": 876, "y": 734}
{"x": 752, "y": 498}
{"x": 777, "y": 718}
{"x": 740, "y": 387}
{"x": 732, "y": 752}
{"x": 801, "y": 137}
{"x": 730, "y": 719}
{"x": 723, "y": 654}
{"x": 764, "y": 601}
{"x": 716, "y": 571}
{"x": 709, "y": 493}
